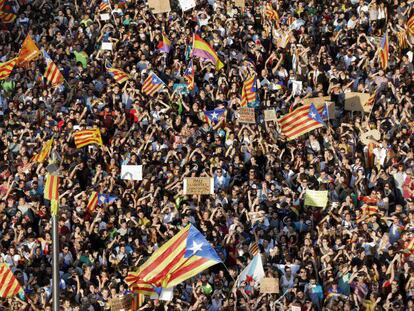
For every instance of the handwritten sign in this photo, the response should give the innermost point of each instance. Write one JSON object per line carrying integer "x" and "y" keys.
{"x": 198, "y": 185}
{"x": 159, "y": 6}
{"x": 240, "y": 3}
{"x": 131, "y": 172}
{"x": 355, "y": 101}
{"x": 269, "y": 115}
{"x": 269, "y": 286}
{"x": 105, "y": 17}
{"x": 106, "y": 46}
{"x": 246, "y": 115}
{"x": 187, "y": 4}
{"x": 122, "y": 303}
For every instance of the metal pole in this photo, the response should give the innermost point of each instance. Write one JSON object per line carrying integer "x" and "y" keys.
{"x": 55, "y": 264}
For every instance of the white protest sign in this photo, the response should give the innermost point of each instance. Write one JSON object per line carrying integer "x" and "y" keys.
{"x": 187, "y": 4}
{"x": 131, "y": 172}
{"x": 106, "y": 46}
{"x": 105, "y": 17}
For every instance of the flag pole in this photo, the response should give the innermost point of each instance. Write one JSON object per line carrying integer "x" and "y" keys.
{"x": 55, "y": 262}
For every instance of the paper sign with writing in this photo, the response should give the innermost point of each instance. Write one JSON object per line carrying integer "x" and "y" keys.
{"x": 187, "y": 4}
{"x": 355, "y": 101}
{"x": 316, "y": 198}
{"x": 105, "y": 17}
{"x": 269, "y": 286}
{"x": 159, "y": 6}
{"x": 121, "y": 303}
{"x": 198, "y": 185}
{"x": 131, "y": 172}
{"x": 269, "y": 115}
{"x": 240, "y": 3}
{"x": 106, "y": 46}
{"x": 246, "y": 115}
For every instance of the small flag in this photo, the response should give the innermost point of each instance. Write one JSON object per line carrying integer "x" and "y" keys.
{"x": 119, "y": 75}
{"x": 254, "y": 249}
{"x": 86, "y": 137}
{"x": 28, "y": 52}
{"x": 7, "y": 18}
{"x": 52, "y": 73}
{"x": 402, "y": 39}
{"x": 152, "y": 84}
{"x": 249, "y": 91}
{"x": 189, "y": 75}
{"x": 51, "y": 192}
{"x": 271, "y": 13}
{"x": 410, "y": 25}
{"x": 9, "y": 286}
{"x": 316, "y": 198}
{"x": 253, "y": 274}
{"x": 93, "y": 201}
{"x": 214, "y": 116}
{"x": 165, "y": 45}
{"x": 7, "y": 68}
{"x": 383, "y": 51}
{"x": 44, "y": 153}
{"x": 104, "y": 5}
{"x": 106, "y": 198}
{"x": 203, "y": 50}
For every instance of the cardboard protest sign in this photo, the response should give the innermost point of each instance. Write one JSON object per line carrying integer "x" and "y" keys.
{"x": 246, "y": 115}
{"x": 131, "y": 172}
{"x": 316, "y": 198}
{"x": 166, "y": 294}
{"x": 187, "y": 4}
{"x": 121, "y": 303}
{"x": 355, "y": 101}
{"x": 269, "y": 286}
{"x": 240, "y": 3}
{"x": 269, "y": 115}
{"x": 198, "y": 185}
{"x": 159, "y": 6}
{"x": 106, "y": 46}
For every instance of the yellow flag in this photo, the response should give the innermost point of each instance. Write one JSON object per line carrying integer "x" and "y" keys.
{"x": 28, "y": 52}
{"x": 316, "y": 198}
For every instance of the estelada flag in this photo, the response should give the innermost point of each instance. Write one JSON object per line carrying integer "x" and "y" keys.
{"x": 28, "y": 52}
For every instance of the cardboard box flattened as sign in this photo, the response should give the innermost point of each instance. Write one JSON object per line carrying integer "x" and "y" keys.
{"x": 198, "y": 185}
{"x": 159, "y": 6}
{"x": 246, "y": 115}
{"x": 269, "y": 286}
{"x": 355, "y": 101}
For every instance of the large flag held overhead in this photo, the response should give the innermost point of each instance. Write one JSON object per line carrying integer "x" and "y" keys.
{"x": 86, "y": 137}
{"x": 51, "y": 192}
{"x": 203, "y": 50}
{"x": 119, "y": 75}
{"x": 410, "y": 25}
{"x": 253, "y": 274}
{"x": 28, "y": 52}
{"x": 6, "y": 68}
{"x": 383, "y": 51}
{"x": 186, "y": 254}
{"x": 9, "y": 286}
{"x": 189, "y": 75}
{"x": 7, "y": 18}
{"x": 214, "y": 116}
{"x": 249, "y": 91}
{"x": 164, "y": 46}
{"x": 44, "y": 153}
{"x": 52, "y": 72}
{"x": 271, "y": 13}
{"x": 152, "y": 84}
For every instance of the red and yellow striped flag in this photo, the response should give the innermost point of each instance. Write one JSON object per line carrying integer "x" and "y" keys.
{"x": 271, "y": 13}
{"x": 52, "y": 72}
{"x": 119, "y": 75}
{"x": 7, "y": 18}
{"x": 9, "y": 286}
{"x": 6, "y": 68}
{"x": 402, "y": 39}
{"x": 44, "y": 153}
{"x": 93, "y": 201}
{"x": 28, "y": 52}
{"x": 410, "y": 25}
{"x": 51, "y": 192}
{"x": 86, "y": 137}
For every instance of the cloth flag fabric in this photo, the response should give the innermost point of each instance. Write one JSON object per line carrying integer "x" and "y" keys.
{"x": 383, "y": 51}
{"x": 44, "y": 153}
{"x": 152, "y": 84}
{"x": 51, "y": 192}
{"x": 316, "y": 198}
{"x": 86, "y": 137}
{"x": 7, "y": 68}
{"x": 298, "y": 122}
{"x": 52, "y": 72}
{"x": 249, "y": 91}
{"x": 214, "y": 116}
{"x": 203, "y": 50}
{"x": 253, "y": 273}
{"x": 186, "y": 254}
{"x": 104, "y": 6}
{"x": 325, "y": 112}
{"x": 189, "y": 75}
{"x": 9, "y": 286}
{"x": 106, "y": 198}
{"x": 119, "y": 75}
{"x": 93, "y": 201}
{"x": 410, "y": 25}
{"x": 28, "y": 52}
{"x": 7, "y": 18}
{"x": 271, "y": 13}
{"x": 165, "y": 45}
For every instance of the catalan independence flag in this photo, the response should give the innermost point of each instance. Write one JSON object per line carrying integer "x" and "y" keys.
{"x": 189, "y": 75}
{"x": 271, "y": 13}
{"x": 7, "y": 68}
{"x": 410, "y": 25}
{"x": 186, "y": 254}
{"x": 7, "y": 18}
{"x": 86, "y": 137}
{"x": 203, "y": 50}
{"x": 152, "y": 84}
{"x": 52, "y": 72}
{"x": 51, "y": 192}
{"x": 165, "y": 45}
{"x": 9, "y": 286}
{"x": 383, "y": 51}
{"x": 44, "y": 153}
{"x": 119, "y": 75}
{"x": 249, "y": 91}
{"x": 104, "y": 5}
{"x": 93, "y": 202}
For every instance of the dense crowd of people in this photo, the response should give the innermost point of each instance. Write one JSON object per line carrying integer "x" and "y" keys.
{"x": 355, "y": 254}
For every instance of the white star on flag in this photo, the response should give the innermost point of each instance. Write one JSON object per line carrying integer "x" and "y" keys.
{"x": 313, "y": 115}
{"x": 214, "y": 116}
{"x": 196, "y": 247}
